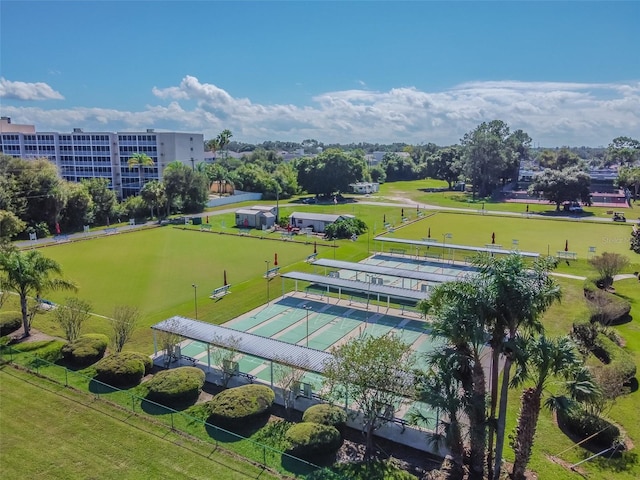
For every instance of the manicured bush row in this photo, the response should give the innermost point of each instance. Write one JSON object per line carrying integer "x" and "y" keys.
{"x": 124, "y": 368}
{"x": 233, "y": 406}
{"x": 584, "y": 425}
{"x": 87, "y": 349}
{"x": 616, "y": 357}
{"x": 9, "y": 322}
{"x": 176, "y": 386}
{"x": 308, "y": 439}
{"x": 326, "y": 414}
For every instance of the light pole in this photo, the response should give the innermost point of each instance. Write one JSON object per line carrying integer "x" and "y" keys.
{"x": 195, "y": 297}
{"x": 266, "y": 275}
{"x": 307, "y": 308}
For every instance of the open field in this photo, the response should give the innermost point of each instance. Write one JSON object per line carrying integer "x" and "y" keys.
{"x": 52, "y": 432}
{"x": 155, "y": 269}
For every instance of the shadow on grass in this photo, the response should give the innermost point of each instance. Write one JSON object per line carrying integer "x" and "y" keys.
{"x": 158, "y": 407}
{"x": 300, "y": 467}
{"x": 228, "y": 432}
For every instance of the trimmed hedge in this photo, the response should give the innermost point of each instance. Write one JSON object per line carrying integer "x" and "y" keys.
{"x": 615, "y": 357}
{"x": 177, "y": 386}
{"x": 308, "y": 439}
{"x": 585, "y": 424}
{"x": 124, "y": 368}
{"x": 233, "y": 406}
{"x": 607, "y": 308}
{"x": 326, "y": 414}
{"x": 87, "y": 349}
{"x": 9, "y": 322}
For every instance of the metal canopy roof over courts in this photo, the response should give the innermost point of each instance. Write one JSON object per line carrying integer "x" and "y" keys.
{"x": 422, "y": 243}
{"x": 389, "y": 271}
{"x": 308, "y": 359}
{"x": 360, "y": 287}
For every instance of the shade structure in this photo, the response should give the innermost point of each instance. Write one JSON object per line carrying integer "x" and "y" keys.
{"x": 402, "y": 213}
{"x": 493, "y": 237}
{"x": 57, "y": 228}
{"x": 315, "y": 247}
{"x": 225, "y": 278}
{"x": 384, "y": 218}
{"x": 429, "y": 233}
{"x": 566, "y": 245}
{"x": 275, "y": 259}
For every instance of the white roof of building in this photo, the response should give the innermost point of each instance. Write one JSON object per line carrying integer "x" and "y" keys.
{"x": 281, "y": 352}
{"x": 323, "y": 217}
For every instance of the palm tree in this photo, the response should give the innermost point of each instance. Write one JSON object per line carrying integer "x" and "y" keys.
{"x": 518, "y": 295}
{"x": 459, "y": 310}
{"x": 213, "y": 145}
{"x": 443, "y": 391}
{"x": 154, "y": 195}
{"x": 140, "y": 160}
{"x": 546, "y": 359}
{"x": 30, "y": 274}
{"x": 223, "y": 140}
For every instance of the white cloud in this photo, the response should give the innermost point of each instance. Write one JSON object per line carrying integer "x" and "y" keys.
{"x": 27, "y": 91}
{"x": 552, "y": 113}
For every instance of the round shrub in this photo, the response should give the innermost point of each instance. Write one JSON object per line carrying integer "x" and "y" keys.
{"x": 308, "y": 439}
{"x": 9, "y": 322}
{"x": 177, "y": 386}
{"x": 123, "y": 369}
{"x": 87, "y": 349}
{"x": 326, "y": 414}
{"x": 584, "y": 424}
{"x": 233, "y": 406}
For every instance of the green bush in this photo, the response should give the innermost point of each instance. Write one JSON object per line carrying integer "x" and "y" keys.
{"x": 616, "y": 357}
{"x": 235, "y": 405}
{"x": 326, "y": 414}
{"x": 87, "y": 349}
{"x": 584, "y": 425}
{"x": 123, "y": 369}
{"x": 9, "y": 322}
{"x": 308, "y": 439}
{"x": 177, "y": 386}
{"x": 376, "y": 470}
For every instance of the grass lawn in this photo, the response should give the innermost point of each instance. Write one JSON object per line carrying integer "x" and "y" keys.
{"x": 533, "y": 234}
{"x": 52, "y": 432}
{"x": 155, "y": 269}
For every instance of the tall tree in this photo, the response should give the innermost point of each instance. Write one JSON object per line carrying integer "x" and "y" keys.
{"x": 154, "y": 195}
{"x": 331, "y": 171}
{"x": 560, "y": 186}
{"x": 629, "y": 177}
{"x": 558, "y": 160}
{"x": 544, "y": 360}
{"x": 10, "y": 226}
{"x": 460, "y": 310}
{"x": 624, "y": 150}
{"x": 30, "y": 274}
{"x": 123, "y": 323}
{"x": 223, "y": 139}
{"x": 78, "y": 206}
{"x": 373, "y": 373}
{"x": 71, "y": 316}
{"x": 491, "y": 154}
{"x": 445, "y": 165}
{"x": 519, "y": 294}
{"x": 139, "y": 161}
{"x": 104, "y": 200}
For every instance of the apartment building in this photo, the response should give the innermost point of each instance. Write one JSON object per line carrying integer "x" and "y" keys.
{"x": 80, "y": 155}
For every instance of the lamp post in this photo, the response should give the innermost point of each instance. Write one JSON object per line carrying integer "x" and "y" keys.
{"x": 195, "y": 297}
{"x": 307, "y": 308}
{"x": 266, "y": 275}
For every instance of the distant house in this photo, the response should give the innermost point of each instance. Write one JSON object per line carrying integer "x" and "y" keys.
{"x": 316, "y": 221}
{"x": 256, "y": 217}
{"x": 365, "y": 187}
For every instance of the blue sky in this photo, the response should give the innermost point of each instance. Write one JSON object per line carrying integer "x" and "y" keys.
{"x": 567, "y": 73}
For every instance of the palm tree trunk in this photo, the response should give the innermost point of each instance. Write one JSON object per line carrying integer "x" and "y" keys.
{"x": 525, "y": 431}
{"x": 477, "y": 420}
{"x": 25, "y": 314}
{"x": 502, "y": 417}
{"x": 495, "y": 373}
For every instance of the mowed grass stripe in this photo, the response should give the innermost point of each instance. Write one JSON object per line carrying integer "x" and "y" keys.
{"x": 49, "y": 432}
